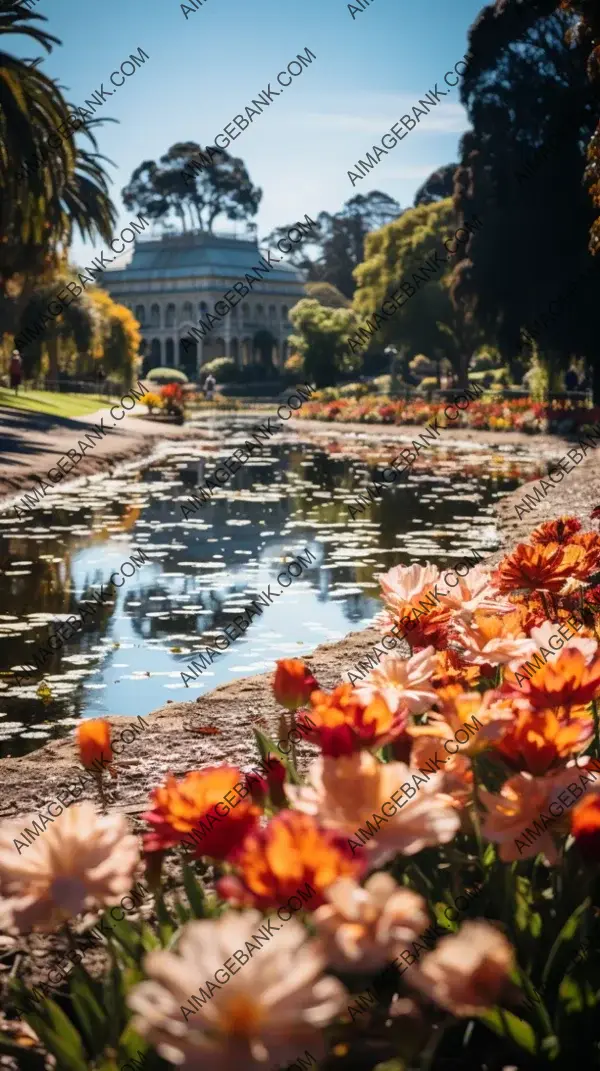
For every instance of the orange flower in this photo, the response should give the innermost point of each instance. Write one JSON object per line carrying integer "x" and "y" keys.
{"x": 585, "y": 826}
{"x": 541, "y": 739}
{"x": 93, "y": 739}
{"x": 561, "y": 530}
{"x": 196, "y": 808}
{"x": 451, "y": 669}
{"x": 590, "y": 544}
{"x": 423, "y": 627}
{"x": 571, "y": 680}
{"x": 343, "y": 724}
{"x": 293, "y": 683}
{"x": 547, "y": 566}
{"x": 276, "y": 861}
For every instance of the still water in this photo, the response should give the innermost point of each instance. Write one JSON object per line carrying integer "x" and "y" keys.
{"x": 291, "y": 495}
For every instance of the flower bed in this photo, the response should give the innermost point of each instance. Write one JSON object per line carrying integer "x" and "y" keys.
{"x": 436, "y": 867}
{"x": 520, "y": 414}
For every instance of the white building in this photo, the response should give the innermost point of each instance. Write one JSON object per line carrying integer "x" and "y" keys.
{"x": 174, "y": 280}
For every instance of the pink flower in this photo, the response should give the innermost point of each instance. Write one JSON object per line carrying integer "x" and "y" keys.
{"x": 402, "y": 682}
{"x": 468, "y": 971}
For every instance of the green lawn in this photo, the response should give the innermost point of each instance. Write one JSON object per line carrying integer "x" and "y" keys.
{"x": 54, "y": 402}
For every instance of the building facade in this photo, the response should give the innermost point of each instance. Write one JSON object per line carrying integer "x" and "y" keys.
{"x": 174, "y": 280}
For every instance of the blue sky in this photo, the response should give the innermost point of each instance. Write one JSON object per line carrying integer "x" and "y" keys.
{"x": 205, "y": 69}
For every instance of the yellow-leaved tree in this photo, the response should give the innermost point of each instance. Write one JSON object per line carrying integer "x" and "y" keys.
{"x": 118, "y": 340}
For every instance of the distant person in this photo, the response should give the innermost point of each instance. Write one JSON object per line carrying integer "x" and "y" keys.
{"x": 16, "y": 371}
{"x": 572, "y": 380}
{"x": 209, "y": 387}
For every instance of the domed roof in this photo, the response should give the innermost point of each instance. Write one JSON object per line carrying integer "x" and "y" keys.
{"x": 203, "y": 255}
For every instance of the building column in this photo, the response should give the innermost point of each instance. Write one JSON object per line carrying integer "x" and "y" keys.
{"x": 227, "y": 337}
{"x": 176, "y": 351}
{"x": 199, "y": 355}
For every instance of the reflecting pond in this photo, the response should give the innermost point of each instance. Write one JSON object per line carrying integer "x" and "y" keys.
{"x": 201, "y": 572}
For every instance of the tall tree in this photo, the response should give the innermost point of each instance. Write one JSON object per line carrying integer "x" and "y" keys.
{"x": 532, "y": 110}
{"x": 48, "y": 184}
{"x": 321, "y": 338}
{"x": 340, "y": 246}
{"x": 188, "y": 184}
{"x": 429, "y": 320}
{"x": 439, "y": 185}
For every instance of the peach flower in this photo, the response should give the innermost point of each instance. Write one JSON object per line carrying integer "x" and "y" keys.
{"x": 346, "y": 793}
{"x": 401, "y": 682}
{"x": 468, "y": 971}
{"x": 520, "y": 818}
{"x": 492, "y": 639}
{"x": 474, "y": 591}
{"x": 362, "y": 928}
{"x": 259, "y": 1016}
{"x": 403, "y": 583}
{"x": 82, "y": 862}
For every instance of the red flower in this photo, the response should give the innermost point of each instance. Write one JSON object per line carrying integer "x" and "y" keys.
{"x": 293, "y": 683}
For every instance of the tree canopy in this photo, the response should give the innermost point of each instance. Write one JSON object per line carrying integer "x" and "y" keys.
{"x": 192, "y": 187}
{"x": 532, "y": 110}
{"x": 340, "y": 246}
{"x": 48, "y": 184}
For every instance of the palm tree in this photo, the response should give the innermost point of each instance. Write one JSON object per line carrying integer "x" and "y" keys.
{"x": 63, "y": 187}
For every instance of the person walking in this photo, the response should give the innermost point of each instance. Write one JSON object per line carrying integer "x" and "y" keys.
{"x": 209, "y": 387}
{"x": 16, "y": 371}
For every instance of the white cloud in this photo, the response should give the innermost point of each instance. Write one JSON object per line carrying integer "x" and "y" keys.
{"x": 449, "y": 119}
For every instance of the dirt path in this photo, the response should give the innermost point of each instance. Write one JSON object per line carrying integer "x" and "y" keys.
{"x": 32, "y": 443}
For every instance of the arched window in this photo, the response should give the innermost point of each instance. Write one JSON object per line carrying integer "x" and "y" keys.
{"x": 220, "y": 347}
{"x": 170, "y": 353}
{"x": 246, "y": 312}
{"x": 260, "y": 313}
{"x": 154, "y": 316}
{"x": 170, "y": 316}
{"x": 202, "y": 308}
{"x": 155, "y": 352}
{"x": 140, "y": 314}
{"x": 272, "y": 312}
{"x": 284, "y": 313}
{"x": 187, "y": 311}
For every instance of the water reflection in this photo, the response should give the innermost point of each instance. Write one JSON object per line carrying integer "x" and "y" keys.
{"x": 207, "y": 568}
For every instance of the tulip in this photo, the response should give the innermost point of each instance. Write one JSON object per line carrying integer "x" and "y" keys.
{"x": 93, "y": 738}
{"x": 293, "y": 683}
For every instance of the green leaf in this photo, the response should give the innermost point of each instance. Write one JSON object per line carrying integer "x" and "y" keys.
{"x": 90, "y": 1014}
{"x": 60, "y": 1037}
{"x": 509, "y": 1026}
{"x": 267, "y": 746}
{"x": 194, "y": 892}
{"x": 564, "y": 948}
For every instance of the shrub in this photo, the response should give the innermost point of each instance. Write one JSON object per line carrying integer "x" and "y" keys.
{"x": 354, "y": 390}
{"x": 295, "y": 365}
{"x": 429, "y": 383}
{"x": 483, "y": 362}
{"x": 166, "y": 375}
{"x": 422, "y": 366}
{"x": 224, "y": 369}
{"x": 152, "y": 400}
